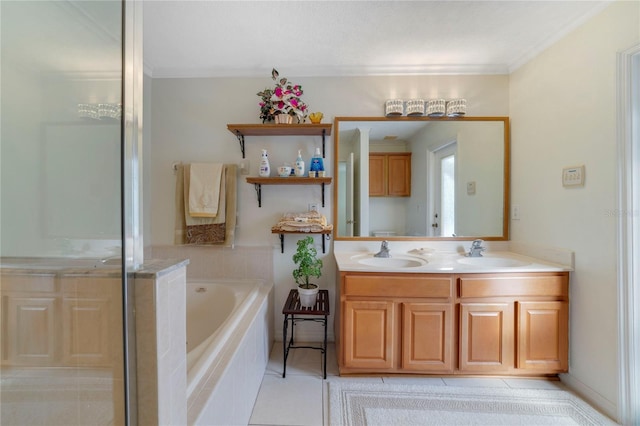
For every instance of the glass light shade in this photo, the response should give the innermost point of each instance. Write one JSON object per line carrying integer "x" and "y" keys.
{"x": 88, "y": 111}
{"x": 456, "y": 107}
{"x": 436, "y": 107}
{"x": 394, "y": 107}
{"x": 415, "y": 107}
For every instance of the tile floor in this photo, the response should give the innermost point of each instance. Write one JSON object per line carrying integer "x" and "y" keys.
{"x": 301, "y": 398}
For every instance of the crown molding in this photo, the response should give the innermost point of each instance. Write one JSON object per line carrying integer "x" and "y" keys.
{"x": 356, "y": 71}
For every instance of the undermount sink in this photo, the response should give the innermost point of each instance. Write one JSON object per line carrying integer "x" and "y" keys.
{"x": 396, "y": 261}
{"x": 493, "y": 262}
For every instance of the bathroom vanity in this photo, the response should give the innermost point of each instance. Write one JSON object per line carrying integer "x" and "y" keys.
{"x": 500, "y": 314}
{"x": 434, "y": 309}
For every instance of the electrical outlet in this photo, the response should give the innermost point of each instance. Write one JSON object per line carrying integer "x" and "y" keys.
{"x": 313, "y": 207}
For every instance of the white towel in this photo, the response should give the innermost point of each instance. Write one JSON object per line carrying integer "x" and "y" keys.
{"x": 204, "y": 189}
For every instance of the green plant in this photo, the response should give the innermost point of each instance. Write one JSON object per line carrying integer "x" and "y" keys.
{"x": 308, "y": 263}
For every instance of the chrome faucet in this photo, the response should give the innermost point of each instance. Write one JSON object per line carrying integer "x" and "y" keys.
{"x": 476, "y": 249}
{"x": 384, "y": 250}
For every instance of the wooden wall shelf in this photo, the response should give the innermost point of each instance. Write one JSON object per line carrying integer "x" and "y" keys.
{"x": 325, "y": 236}
{"x": 242, "y": 130}
{"x": 291, "y": 180}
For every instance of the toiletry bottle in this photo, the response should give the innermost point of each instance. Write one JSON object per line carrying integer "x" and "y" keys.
{"x": 265, "y": 169}
{"x": 317, "y": 165}
{"x": 299, "y": 165}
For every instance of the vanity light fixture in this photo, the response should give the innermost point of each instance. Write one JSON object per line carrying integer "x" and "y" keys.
{"x": 88, "y": 111}
{"x": 415, "y": 107}
{"x": 436, "y": 107}
{"x": 100, "y": 111}
{"x": 394, "y": 107}
{"x": 456, "y": 107}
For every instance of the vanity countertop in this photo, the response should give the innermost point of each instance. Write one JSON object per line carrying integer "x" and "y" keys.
{"x": 111, "y": 267}
{"x": 433, "y": 261}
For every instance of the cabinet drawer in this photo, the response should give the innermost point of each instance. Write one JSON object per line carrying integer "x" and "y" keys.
{"x": 398, "y": 286}
{"x": 514, "y": 286}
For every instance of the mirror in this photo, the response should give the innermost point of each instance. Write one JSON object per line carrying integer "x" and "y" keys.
{"x": 421, "y": 178}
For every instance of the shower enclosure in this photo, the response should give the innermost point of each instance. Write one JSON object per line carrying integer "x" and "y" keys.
{"x": 69, "y": 210}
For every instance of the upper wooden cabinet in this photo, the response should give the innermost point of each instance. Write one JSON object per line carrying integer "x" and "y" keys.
{"x": 390, "y": 174}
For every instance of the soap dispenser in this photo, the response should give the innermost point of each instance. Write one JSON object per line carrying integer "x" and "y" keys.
{"x": 265, "y": 169}
{"x": 316, "y": 168}
{"x": 299, "y": 165}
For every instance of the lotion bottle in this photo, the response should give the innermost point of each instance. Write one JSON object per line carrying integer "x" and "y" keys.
{"x": 265, "y": 169}
{"x": 317, "y": 165}
{"x": 299, "y": 165}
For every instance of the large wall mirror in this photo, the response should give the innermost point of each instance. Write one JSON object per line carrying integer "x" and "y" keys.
{"x": 421, "y": 178}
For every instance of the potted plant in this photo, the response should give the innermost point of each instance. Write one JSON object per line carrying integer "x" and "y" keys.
{"x": 283, "y": 99}
{"x": 308, "y": 266}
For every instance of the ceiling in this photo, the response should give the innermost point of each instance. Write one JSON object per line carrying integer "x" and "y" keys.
{"x": 343, "y": 38}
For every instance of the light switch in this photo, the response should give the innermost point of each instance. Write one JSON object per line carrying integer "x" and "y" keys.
{"x": 573, "y": 176}
{"x": 471, "y": 188}
{"x": 515, "y": 212}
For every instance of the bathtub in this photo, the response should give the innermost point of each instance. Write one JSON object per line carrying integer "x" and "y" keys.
{"x": 228, "y": 341}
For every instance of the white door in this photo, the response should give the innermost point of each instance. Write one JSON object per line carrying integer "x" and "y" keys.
{"x": 444, "y": 190}
{"x": 345, "y": 219}
{"x": 350, "y": 194}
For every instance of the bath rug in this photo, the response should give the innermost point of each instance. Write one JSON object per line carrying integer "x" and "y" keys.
{"x": 352, "y": 403}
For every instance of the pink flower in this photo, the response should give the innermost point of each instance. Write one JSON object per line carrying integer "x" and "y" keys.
{"x": 283, "y": 99}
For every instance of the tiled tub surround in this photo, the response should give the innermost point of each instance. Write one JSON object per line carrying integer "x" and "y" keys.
{"x": 161, "y": 359}
{"x": 206, "y": 262}
{"x": 222, "y": 389}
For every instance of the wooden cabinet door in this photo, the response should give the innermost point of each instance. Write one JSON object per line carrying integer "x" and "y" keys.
{"x": 543, "y": 335}
{"x": 399, "y": 175}
{"x": 86, "y": 326}
{"x": 369, "y": 334}
{"x": 377, "y": 175}
{"x": 427, "y": 337}
{"x": 31, "y": 330}
{"x": 486, "y": 337}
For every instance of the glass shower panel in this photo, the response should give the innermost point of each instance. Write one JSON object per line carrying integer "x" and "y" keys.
{"x": 60, "y": 221}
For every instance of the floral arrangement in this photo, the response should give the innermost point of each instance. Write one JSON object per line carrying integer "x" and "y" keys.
{"x": 283, "y": 99}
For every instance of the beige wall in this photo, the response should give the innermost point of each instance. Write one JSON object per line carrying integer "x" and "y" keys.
{"x": 562, "y": 108}
{"x": 189, "y": 120}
